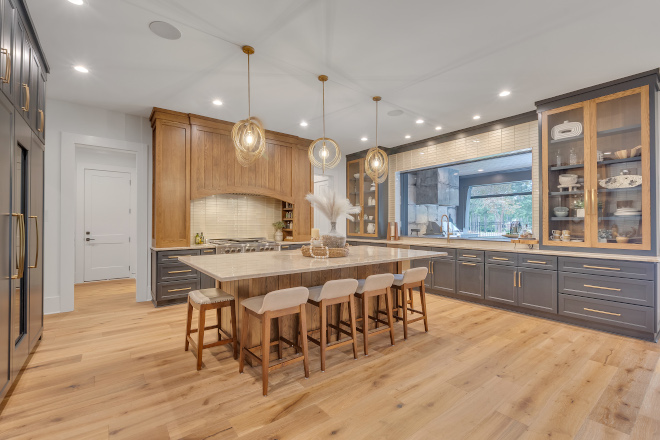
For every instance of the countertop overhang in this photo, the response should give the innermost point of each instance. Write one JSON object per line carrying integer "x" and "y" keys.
{"x": 232, "y": 267}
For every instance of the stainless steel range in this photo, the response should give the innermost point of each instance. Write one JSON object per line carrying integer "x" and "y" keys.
{"x": 241, "y": 245}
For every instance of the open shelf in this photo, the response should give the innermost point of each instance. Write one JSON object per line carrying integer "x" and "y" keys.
{"x": 566, "y": 193}
{"x": 602, "y": 162}
{"x": 611, "y": 190}
{"x": 602, "y": 133}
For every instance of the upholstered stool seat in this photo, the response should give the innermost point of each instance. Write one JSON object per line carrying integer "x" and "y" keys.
{"x": 274, "y": 305}
{"x": 202, "y": 301}
{"x": 374, "y": 286}
{"x": 335, "y": 292}
{"x": 404, "y": 284}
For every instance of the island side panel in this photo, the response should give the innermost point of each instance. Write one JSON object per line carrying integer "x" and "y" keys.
{"x": 244, "y": 289}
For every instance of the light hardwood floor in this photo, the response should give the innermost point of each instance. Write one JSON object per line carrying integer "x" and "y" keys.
{"x": 117, "y": 369}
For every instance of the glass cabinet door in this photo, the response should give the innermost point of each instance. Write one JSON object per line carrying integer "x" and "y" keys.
{"x": 370, "y": 211}
{"x": 565, "y": 152}
{"x": 354, "y": 179}
{"x": 620, "y": 185}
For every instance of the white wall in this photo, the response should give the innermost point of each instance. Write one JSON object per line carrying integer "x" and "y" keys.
{"x": 338, "y": 174}
{"x": 74, "y": 119}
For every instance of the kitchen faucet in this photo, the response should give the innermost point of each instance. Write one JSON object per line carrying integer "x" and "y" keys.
{"x": 448, "y": 232}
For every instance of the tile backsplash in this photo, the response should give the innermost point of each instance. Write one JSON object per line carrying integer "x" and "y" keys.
{"x": 235, "y": 216}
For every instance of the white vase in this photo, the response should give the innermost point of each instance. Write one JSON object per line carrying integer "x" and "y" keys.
{"x": 279, "y": 236}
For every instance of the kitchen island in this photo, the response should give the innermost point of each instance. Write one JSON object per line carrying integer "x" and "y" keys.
{"x": 251, "y": 274}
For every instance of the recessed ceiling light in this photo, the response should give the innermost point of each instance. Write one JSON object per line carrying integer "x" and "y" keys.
{"x": 303, "y": 124}
{"x": 76, "y": 2}
{"x": 364, "y": 139}
{"x": 81, "y": 69}
{"x": 165, "y": 30}
{"x": 217, "y": 102}
{"x": 504, "y": 93}
{"x": 395, "y": 113}
{"x": 476, "y": 117}
{"x": 438, "y": 128}
{"x": 419, "y": 121}
{"x": 480, "y": 171}
{"x": 421, "y": 152}
{"x": 475, "y": 141}
{"x": 407, "y": 136}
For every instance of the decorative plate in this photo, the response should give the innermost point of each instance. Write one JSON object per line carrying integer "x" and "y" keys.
{"x": 623, "y": 181}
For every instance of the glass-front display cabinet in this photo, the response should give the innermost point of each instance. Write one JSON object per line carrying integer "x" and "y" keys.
{"x": 363, "y": 192}
{"x": 596, "y": 173}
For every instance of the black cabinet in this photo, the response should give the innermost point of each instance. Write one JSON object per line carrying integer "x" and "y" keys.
{"x": 500, "y": 284}
{"x": 537, "y": 289}
{"x": 6, "y": 254}
{"x": 171, "y": 280}
{"x": 470, "y": 279}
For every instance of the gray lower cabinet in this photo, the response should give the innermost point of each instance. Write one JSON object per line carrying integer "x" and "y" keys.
{"x": 443, "y": 275}
{"x": 470, "y": 279}
{"x": 171, "y": 280}
{"x": 537, "y": 289}
{"x": 500, "y": 283}
{"x": 424, "y": 262}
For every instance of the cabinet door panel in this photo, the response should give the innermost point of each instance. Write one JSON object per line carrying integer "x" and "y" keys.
{"x": 444, "y": 275}
{"x": 470, "y": 279}
{"x": 34, "y": 227}
{"x": 537, "y": 289}
{"x": 424, "y": 263}
{"x": 5, "y": 241}
{"x": 500, "y": 284}
{"x": 8, "y": 23}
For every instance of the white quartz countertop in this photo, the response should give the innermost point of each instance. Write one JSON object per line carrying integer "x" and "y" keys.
{"x": 500, "y": 246}
{"x": 231, "y": 267}
{"x": 183, "y": 248}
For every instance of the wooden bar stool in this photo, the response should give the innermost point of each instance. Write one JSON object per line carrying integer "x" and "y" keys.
{"x": 373, "y": 287}
{"x": 204, "y": 300}
{"x": 405, "y": 283}
{"x": 335, "y": 292}
{"x": 274, "y": 305}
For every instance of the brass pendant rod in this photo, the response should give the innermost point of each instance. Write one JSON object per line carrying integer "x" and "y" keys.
{"x": 323, "y": 83}
{"x": 376, "y": 124}
{"x": 249, "y": 113}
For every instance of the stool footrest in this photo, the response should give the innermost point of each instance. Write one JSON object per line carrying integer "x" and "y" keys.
{"x": 341, "y": 330}
{"x": 210, "y": 327}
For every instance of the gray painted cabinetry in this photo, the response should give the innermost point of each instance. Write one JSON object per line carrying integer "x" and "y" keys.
{"x": 171, "y": 281}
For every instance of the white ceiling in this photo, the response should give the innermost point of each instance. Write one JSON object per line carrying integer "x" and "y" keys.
{"x": 443, "y": 61}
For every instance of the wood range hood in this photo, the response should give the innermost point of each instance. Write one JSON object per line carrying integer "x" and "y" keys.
{"x": 193, "y": 157}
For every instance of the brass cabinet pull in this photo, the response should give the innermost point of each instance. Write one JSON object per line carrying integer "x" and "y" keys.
{"x": 500, "y": 258}
{"x": 600, "y": 267}
{"x": 26, "y": 107}
{"x": 21, "y": 259}
{"x": 179, "y": 271}
{"x": 604, "y": 288}
{"x": 207, "y": 252}
{"x": 43, "y": 121}
{"x": 177, "y": 256}
{"x": 514, "y": 278}
{"x": 470, "y": 264}
{"x": 179, "y": 290}
{"x": 536, "y": 262}
{"x": 36, "y": 255}
{"x": 469, "y": 256}
{"x": 519, "y": 279}
{"x": 5, "y": 79}
{"x": 600, "y": 311}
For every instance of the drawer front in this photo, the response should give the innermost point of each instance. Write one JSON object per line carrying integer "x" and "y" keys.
{"x": 607, "y": 312}
{"x": 537, "y": 261}
{"x": 470, "y": 279}
{"x": 470, "y": 255}
{"x": 612, "y": 268}
{"x": 175, "y": 289}
{"x": 170, "y": 257}
{"x": 506, "y": 258}
{"x": 293, "y": 247}
{"x": 451, "y": 253}
{"x": 625, "y": 290}
{"x": 171, "y": 272}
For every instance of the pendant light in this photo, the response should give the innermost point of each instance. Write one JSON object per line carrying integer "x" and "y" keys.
{"x": 376, "y": 162}
{"x": 322, "y": 157}
{"x": 248, "y": 135}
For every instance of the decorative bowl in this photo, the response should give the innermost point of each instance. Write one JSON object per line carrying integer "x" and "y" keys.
{"x": 622, "y": 181}
{"x": 568, "y": 179}
{"x": 620, "y": 239}
{"x": 637, "y": 151}
{"x": 622, "y": 154}
{"x": 561, "y": 211}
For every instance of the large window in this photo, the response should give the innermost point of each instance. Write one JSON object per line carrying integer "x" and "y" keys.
{"x": 493, "y": 208}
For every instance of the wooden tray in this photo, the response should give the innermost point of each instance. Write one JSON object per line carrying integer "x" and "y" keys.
{"x": 324, "y": 252}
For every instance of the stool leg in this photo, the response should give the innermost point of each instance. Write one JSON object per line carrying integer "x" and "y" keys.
{"x": 303, "y": 337}
{"x": 365, "y": 323}
{"x": 404, "y": 309}
{"x": 351, "y": 313}
{"x": 412, "y": 306}
{"x": 234, "y": 333}
{"x": 265, "y": 350}
{"x": 422, "y": 297}
{"x": 188, "y": 322}
{"x": 280, "y": 344}
{"x": 388, "y": 299}
{"x": 244, "y": 332}
{"x": 218, "y": 313}
{"x": 200, "y": 335}
{"x": 323, "y": 317}
{"x": 377, "y": 310}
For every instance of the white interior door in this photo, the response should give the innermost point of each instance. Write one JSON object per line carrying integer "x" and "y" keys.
{"x": 107, "y": 225}
{"x": 320, "y": 220}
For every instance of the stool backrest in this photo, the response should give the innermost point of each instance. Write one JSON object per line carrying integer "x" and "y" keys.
{"x": 338, "y": 288}
{"x": 284, "y": 298}
{"x": 378, "y": 282}
{"x": 415, "y": 275}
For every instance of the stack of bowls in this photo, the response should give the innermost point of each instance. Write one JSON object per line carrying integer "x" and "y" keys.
{"x": 561, "y": 211}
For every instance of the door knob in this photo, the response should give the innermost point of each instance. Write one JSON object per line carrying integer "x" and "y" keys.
{"x": 89, "y": 239}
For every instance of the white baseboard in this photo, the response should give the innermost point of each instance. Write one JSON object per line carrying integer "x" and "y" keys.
{"x": 52, "y": 305}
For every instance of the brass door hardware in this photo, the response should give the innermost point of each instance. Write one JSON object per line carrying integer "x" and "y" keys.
{"x": 500, "y": 258}
{"x": 470, "y": 264}
{"x": 179, "y": 271}
{"x": 26, "y": 107}
{"x": 21, "y": 261}
{"x": 36, "y": 255}
{"x": 5, "y": 79}
{"x": 469, "y": 256}
{"x": 178, "y": 290}
{"x": 177, "y": 256}
{"x": 600, "y": 311}
{"x": 43, "y": 121}
{"x": 604, "y": 288}
{"x": 600, "y": 267}
{"x": 536, "y": 262}
{"x": 514, "y": 278}
{"x": 519, "y": 279}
